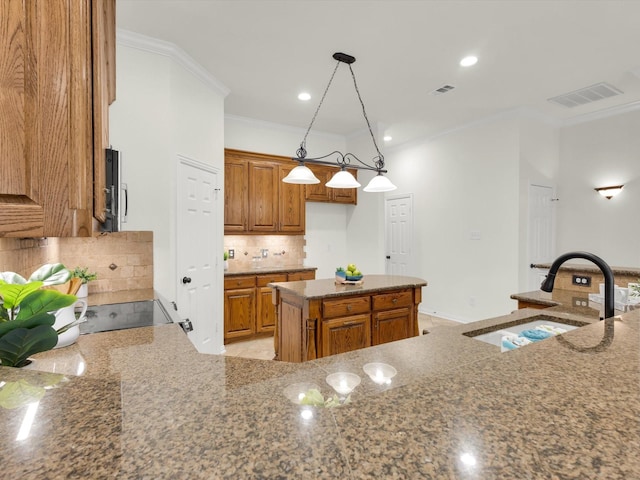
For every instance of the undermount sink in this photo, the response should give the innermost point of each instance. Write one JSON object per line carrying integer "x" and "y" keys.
{"x": 493, "y": 334}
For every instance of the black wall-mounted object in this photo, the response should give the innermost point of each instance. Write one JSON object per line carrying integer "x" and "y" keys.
{"x": 112, "y": 191}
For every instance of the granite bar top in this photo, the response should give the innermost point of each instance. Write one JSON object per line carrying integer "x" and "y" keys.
{"x": 590, "y": 268}
{"x": 564, "y": 300}
{"x": 142, "y": 403}
{"x": 266, "y": 270}
{"x": 120, "y": 296}
{"x": 329, "y": 288}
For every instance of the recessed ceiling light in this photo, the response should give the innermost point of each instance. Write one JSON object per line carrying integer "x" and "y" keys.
{"x": 468, "y": 61}
{"x": 387, "y": 138}
{"x": 304, "y": 96}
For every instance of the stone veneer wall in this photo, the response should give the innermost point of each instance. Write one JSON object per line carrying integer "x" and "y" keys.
{"x": 284, "y": 250}
{"x": 130, "y": 252}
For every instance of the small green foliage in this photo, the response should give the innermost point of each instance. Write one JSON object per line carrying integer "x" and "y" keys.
{"x": 26, "y": 318}
{"x": 84, "y": 274}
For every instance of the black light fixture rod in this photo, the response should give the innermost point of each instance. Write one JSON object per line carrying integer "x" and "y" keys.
{"x": 344, "y": 58}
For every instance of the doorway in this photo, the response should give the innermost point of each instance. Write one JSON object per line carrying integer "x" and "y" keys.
{"x": 399, "y": 257}
{"x": 542, "y": 230}
{"x": 199, "y": 249}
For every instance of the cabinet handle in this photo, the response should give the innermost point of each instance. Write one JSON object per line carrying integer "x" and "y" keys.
{"x": 349, "y": 308}
{"x": 352, "y": 322}
{"x": 394, "y": 301}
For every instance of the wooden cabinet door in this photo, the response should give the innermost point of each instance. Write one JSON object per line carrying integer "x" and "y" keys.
{"x": 291, "y": 212}
{"x": 45, "y": 118}
{"x": 346, "y": 195}
{"x": 263, "y": 196}
{"x": 318, "y": 192}
{"x": 103, "y": 23}
{"x": 236, "y": 199}
{"x": 345, "y": 334}
{"x": 391, "y": 325}
{"x": 266, "y": 311}
{"x": 239, "y": 317}
{"x": 305, "y": 275}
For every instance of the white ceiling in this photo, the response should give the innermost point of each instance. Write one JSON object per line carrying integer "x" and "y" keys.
{"x": 267, "y": 51}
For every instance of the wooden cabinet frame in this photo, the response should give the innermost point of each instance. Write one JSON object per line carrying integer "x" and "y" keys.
{"x": 306, "y": 328}
{"x": 256, "y": 201}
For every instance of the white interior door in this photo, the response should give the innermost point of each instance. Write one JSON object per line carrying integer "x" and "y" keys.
{"x": 198, "y": 251}
{"x": 542, "y": 230}
{"x": 399, "y": 234}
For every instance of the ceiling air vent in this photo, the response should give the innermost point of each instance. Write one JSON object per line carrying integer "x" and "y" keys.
{"x": 586, "y": 95}
{"x": 442, "y": 89}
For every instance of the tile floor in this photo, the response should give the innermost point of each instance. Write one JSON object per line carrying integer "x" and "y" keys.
{"x": 262, "y": 348}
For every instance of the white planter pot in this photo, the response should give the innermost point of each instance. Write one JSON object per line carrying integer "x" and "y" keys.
{"x": 65, "y": 316}
{"x": 226, "y": 264}
{"x": 83, "y": 291}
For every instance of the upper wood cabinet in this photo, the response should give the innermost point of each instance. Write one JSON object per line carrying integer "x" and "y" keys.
{"x": 48, "y": 107}
{"x": 319, "y": 192}
{"x": 255, "y": 198}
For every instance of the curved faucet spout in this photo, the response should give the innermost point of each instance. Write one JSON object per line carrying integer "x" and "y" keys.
{"x": 547, "y": 285}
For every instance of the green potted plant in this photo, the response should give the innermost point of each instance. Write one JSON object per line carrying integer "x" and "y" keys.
{"x": 27, "y": 313}
{"x": 226, "y": 260}
{"x": 85, "y": 277}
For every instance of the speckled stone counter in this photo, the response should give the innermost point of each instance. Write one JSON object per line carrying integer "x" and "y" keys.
{"x": 328, "y": 288}
{"x": 266, "y": 270}
{"x": 590, "y": 268}
{"x": 121, "y": 296}
{"x": 147, "y": 405}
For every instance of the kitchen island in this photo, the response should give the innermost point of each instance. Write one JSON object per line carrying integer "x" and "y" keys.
{"x": 142, "y": 403}
{"x": 318, "y": 318}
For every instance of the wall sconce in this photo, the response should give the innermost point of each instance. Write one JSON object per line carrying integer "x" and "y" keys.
{"x": 609, "y": 192}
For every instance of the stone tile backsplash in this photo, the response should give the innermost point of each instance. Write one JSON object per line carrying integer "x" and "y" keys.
{"x": 130, "y": 252}
{"x": 283, "y": 250}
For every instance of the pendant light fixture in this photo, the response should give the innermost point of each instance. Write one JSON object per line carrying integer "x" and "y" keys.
{"x": 342, "y": 179}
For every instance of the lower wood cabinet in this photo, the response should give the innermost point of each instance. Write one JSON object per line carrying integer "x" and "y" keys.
{"x": 248, "y": 306}
{"x": 239, "y": 312}
{"x": 309, "y": 328}
{"x": 344, "y": 334}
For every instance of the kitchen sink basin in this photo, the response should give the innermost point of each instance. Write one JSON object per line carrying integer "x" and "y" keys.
{"x": 119, "y": 316}
{"x": 493, "y": 334}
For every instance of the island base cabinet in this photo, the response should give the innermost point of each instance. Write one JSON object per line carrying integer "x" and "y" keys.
{"x": 310, "y": 328}
{"x": 391, "y": 325}
{"x": 340, "y": 335}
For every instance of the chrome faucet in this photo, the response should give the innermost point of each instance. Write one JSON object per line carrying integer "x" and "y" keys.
{"x": 547, "y": 285}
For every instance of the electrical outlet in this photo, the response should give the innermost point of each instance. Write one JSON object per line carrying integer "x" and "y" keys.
{"x": 580, "y": 302}
{"x": 581, "y": 280}
{"x": 232, "y": 253}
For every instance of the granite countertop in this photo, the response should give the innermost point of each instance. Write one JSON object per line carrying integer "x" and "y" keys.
{"x": 327, "y": 287}
{"x": 590, "y": 268}
{"x": 564, "y": 300}
{"x": 147, "y": 405}
{"x": 120, "y": 296}
{"x": 266, "y": 270}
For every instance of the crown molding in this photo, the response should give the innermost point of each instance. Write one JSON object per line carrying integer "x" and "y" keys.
{"x": 281, "y": 126}
{"x": 600, "y": 114}
{"x": 138, "y": 41}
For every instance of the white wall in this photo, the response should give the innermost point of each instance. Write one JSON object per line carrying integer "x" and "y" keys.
{"x": 365, "y": 223}
{"x": 164, "y": 108}
{"x": 461, "y": 182}
{"x": 539, "y": 165}
{"x": 595, "y": 154}
{"x": 326, "y": 224}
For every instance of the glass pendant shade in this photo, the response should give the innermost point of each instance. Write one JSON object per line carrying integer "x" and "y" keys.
{"x": 380, "y": 183}
{"x": 301, "y": 175}
{"x": 343, "y": 179}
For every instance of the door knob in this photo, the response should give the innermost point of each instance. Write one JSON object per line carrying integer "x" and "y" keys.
{"x": 186, "y": 280}
{"x": 388, "y": 257}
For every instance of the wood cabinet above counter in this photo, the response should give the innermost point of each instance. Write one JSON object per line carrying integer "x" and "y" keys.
{"x": 256, "y": 201}
{"x": 57, "y": 70}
